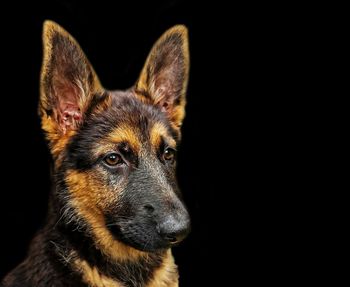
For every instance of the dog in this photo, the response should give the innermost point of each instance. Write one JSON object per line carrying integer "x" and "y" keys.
{"x": 115, "y": 209}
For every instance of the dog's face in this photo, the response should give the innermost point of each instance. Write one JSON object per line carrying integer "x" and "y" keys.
{"x": 115, "y": 151}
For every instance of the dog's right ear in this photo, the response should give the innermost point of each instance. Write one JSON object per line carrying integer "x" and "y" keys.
{"x": 67, "y": 84}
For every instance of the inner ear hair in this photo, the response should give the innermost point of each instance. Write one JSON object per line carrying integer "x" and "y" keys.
{"x": 68, "y": 81}
{"x": 164, "y": 77}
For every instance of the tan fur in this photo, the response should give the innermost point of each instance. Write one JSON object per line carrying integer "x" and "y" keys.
{"x": 93, "y": 277}
{"x": 128, "y": 134}
{"x": 157, "y": 132}
{"x": 118, "y": 135}
{"x": 56, "y": 140}
{"x": 166, "y": 275}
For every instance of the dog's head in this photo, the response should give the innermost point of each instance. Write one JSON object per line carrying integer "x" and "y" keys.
{"x": 115, "y": 151}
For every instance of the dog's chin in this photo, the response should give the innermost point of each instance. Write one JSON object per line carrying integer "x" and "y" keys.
{"x": 138, "y": 238}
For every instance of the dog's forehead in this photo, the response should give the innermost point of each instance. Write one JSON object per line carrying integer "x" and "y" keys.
{"x": 129, "y": 104}
{"x": 127, "y": 109}
{"x": 129, "y": 119}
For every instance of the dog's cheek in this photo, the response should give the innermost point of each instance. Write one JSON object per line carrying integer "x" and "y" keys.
{"x": 104, "y": 190}
{"x": 95, "y": 189}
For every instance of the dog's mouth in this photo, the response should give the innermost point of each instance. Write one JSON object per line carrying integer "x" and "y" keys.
{"x": 139, "y": 236}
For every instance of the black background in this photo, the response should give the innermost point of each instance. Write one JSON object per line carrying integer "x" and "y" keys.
{"x": 223, "y": 163}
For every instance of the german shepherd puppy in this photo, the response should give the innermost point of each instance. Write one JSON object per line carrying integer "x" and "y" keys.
{"x": 115, "y": 208}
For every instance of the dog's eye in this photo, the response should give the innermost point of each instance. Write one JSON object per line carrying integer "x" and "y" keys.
{"x": 113, "y": 159}
{"x": 169, "y": 154}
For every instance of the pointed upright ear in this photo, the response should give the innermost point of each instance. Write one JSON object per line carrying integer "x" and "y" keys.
{"x": 165, "y": 75}
{"x": 67, "y": 84}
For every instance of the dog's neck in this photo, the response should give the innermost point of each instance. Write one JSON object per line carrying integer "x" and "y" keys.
{"x": 79, "y": 253}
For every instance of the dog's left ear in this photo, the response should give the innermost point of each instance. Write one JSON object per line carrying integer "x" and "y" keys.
{"x": 164, "y": 76}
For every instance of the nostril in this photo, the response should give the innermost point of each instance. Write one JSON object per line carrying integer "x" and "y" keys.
{"x": 174, "y": 235}
{"x": 171, "y": 238}
{"x": 149, "y": 208}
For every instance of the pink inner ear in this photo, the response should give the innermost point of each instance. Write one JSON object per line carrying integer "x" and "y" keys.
{"x": 69, "y": 113}
{"x": 165, "y": 106}
{"x": 165, "y": 89}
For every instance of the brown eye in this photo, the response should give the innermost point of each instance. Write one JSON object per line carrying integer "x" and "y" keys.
{"x": 169, "y": 154}
{"x": 113, "y": 159}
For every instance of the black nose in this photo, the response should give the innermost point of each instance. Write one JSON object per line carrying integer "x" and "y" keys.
{"x": 174, "y": 230}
